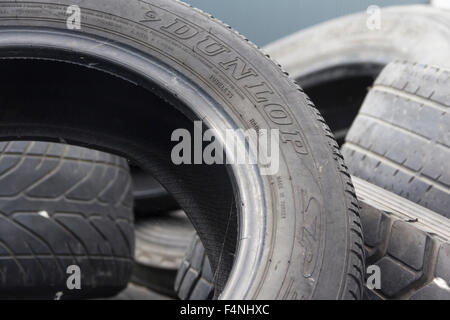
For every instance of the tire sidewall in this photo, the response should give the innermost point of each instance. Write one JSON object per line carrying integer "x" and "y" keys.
{"x": 307, "y": 217}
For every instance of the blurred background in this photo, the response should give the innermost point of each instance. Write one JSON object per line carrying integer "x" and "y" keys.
{"x": 264, "y": 21}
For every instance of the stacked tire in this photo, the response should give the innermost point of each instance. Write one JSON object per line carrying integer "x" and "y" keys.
{"x": 157, "y": 69}
{"x": 400, "y": 141}
{"x": 149, "y": 85}
{"x": 63, "y": 210}
{"x": 337, "y": 61}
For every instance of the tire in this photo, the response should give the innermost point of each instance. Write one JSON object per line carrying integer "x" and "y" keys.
{"x": 410, "y": 244}
{"x": 336, "y": 61}
{"x": 153, "y": 67}
{"x": 161, "y": 242}
{"x": 195, "y": 280}
{"x": 63, "y": 205}
{"x": 400, "y": 139}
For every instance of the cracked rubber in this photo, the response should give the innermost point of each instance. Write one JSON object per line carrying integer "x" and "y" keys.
{"x": 400, "y": 139}
{"x": 63, "y": 205}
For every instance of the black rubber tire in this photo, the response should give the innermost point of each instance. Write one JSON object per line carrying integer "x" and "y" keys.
{"x": 412, "y": 262}
{"x": 161, "y": 242}
{"x": 413, "y": 254}
{"x": 195, "y": 68}
{"x": 410, "y": 245}
{"x": 195, "y": 280}
{"x": 400, "y": 139}
{"x": 336, "y": 61}
{"x": 63, "y": 205}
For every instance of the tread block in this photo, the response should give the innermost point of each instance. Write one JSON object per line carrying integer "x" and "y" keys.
{"x": 408, "y": 244}
{"x": 186, "y": 288}
{"x": 413, "y": 263}
{"x": 439, "y": 287}
{"x": 443, "y": 263}
{"x": 431, "y": 291}
{"x": 200, "y": 289}
{"x": 195, "y": 278}
{"x": 395, "y": 277}
{"x": 76, "y": 228}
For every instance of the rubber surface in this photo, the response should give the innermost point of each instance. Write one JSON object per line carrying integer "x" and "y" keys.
{"x": 339, "y": 89}
{"x": 413, "y": 263}
{"x": 161, "y": 242}
{"x": 336, "y": 61}
{"x": 195, "y": 280}
{"x": 400, "y": 139}
{"x": 305, "y": 238}
{"x": 410, "y": 244}
{"x": 63, "y": 205}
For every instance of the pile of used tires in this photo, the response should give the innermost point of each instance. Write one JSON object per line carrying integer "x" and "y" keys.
{"x": 92, "y": 201}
